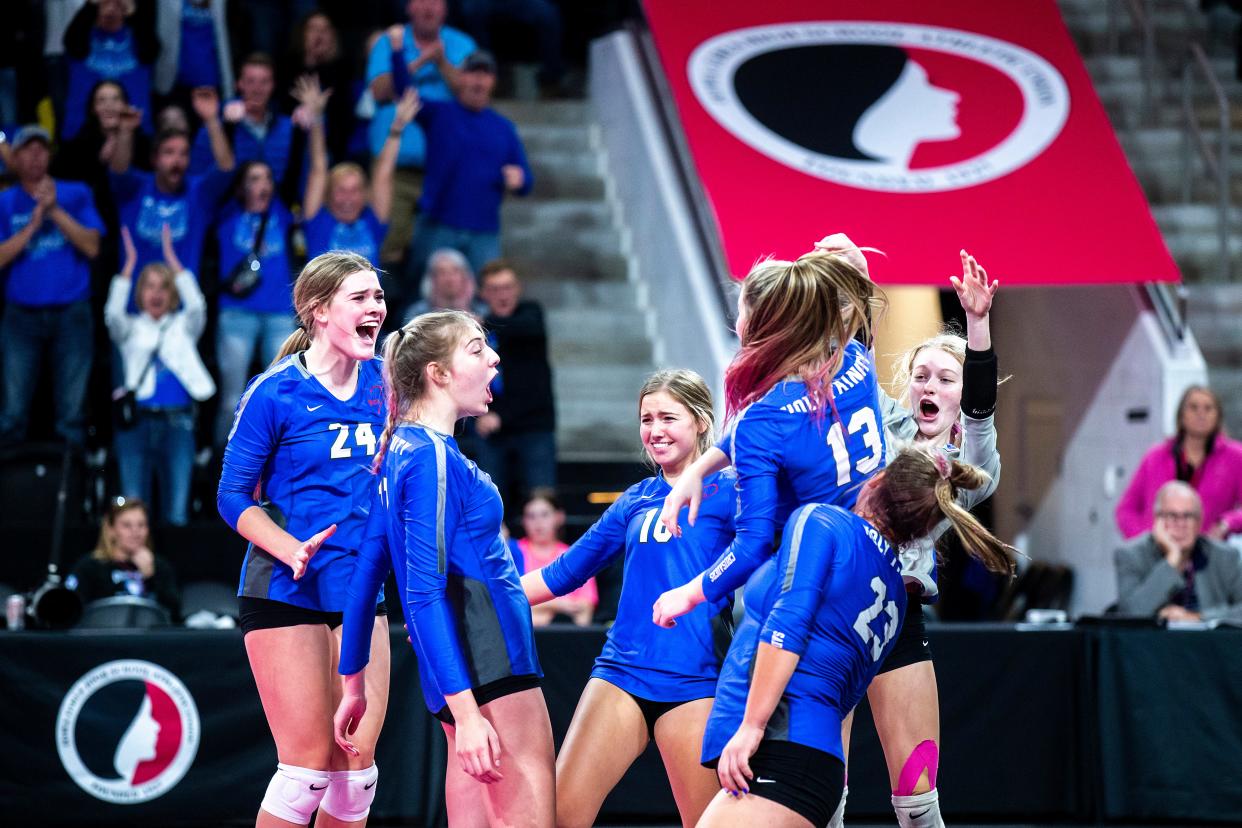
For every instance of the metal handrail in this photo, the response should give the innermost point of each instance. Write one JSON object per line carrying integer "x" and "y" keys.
{"x": 1218, "y": 163}
{"x": 1142, "y": 14}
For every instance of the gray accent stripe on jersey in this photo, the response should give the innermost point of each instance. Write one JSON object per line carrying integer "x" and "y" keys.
{"x": 441, "y": 498}
{"x": 479, "y": 630}
{"x": 796, "y": 546}
{"x": 258, "y": 582}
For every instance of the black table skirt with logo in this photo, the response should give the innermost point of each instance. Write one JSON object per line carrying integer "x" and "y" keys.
{"x": 166, "y": 729}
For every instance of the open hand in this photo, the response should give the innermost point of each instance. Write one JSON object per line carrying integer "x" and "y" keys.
{"x": 170, "y": 251}
{"x": 841, "y": 245}
{"x": 733, "y": 769}
{"x": 478, "y": 749}
{"x": 407, "y": 108}
{"x": 303, "y": 554}
{"x": 349, "y": 714}
{"x": 206, "y": 102}
{"x": 974, "y": 290}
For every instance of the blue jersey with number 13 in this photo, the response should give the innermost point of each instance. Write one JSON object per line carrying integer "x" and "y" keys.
{"x": 786, "y": 456}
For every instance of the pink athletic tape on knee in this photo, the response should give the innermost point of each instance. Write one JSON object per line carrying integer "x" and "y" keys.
{"x": 925, "y": 757}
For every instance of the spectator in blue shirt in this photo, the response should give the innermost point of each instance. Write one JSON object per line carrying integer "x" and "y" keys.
{"x": 168, "y": 196}
{"x": 474, "y": 157}
{"x": 350, "y": 218}
{"x": 425, "y": 54}
{"x": 110, "y": 40}
{"x": 51, "y": 233}
{"x": 256, "y": 131}
{"x": 194, "y": 48}
{"x": 253, "y": 229}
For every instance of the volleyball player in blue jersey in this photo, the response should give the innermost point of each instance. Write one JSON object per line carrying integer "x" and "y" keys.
{"x": 806, "y": 426}
{"x": 648, "y": 683}
{"x": 436, "y": 525}
{"x": 821, "y": 616}
{"x": 298, "y": 466}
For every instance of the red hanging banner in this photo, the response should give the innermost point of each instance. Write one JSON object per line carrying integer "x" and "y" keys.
{"x": 917, "y": 128}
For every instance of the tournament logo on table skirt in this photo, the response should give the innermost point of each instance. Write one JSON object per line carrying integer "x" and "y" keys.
{"x": 892, "y": 107}
{"x": 127, "y": 731}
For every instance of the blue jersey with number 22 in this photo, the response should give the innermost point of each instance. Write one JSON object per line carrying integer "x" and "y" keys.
{"x": 834, "y": 595}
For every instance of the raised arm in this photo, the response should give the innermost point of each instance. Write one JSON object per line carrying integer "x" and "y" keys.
{"x": 384, "y": 168}
{"x": 116, "y": 309}
{"x": 207, "y": 106}
{"x": 123, "y": 149}
{"x": 313, "y": 102}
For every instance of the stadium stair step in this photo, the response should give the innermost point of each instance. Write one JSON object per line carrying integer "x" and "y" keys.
{"x": 569, "y": 245}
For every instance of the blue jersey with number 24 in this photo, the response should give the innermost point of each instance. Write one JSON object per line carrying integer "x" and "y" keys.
{"x": 305, "y": 457}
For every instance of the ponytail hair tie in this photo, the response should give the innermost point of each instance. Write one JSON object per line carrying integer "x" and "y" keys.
{"x": 942, "y": 465}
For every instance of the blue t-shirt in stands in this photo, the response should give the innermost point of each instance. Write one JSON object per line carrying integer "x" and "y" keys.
{"x": 430, "y": 84}
{"x": 272, "y": 147}
{"x": 169, "y": 392}
{"x": 364, "y": 236}
{"x": 50, "y": 271}
{"x": 197, "y": 63}
{"x": 113, "y": 56}
{"x": 189, "y": 212}
{"x": 466, "y": 149}
{"x": 236, "y": 233}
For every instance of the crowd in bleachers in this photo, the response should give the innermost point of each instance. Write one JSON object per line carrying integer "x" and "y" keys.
{"x": 169, "y": 165}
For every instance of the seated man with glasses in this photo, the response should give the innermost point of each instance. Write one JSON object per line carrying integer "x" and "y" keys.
{"x": 1173, "y": 571}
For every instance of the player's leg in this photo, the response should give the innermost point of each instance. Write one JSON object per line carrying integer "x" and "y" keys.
{"x": 748, "y": 810}
{"x": 838, "y": 816}
{"x": 462, "y": 798}
{"x": 526, "y": 796}
{"x": 292, "y": 669}
{"x": 907, "y": 719}
{"x": 606, "y": 735}
{"x": 354, "y": 779}
{"x": 679, "y": 735}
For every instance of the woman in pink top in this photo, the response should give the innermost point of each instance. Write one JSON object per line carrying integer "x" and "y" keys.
{"x": 542, "y": 518}
{"x": 1199, "y": 454}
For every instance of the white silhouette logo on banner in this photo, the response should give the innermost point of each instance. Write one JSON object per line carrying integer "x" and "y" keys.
{"x": 127, "y": 731}
{"x": 850, "y": 103}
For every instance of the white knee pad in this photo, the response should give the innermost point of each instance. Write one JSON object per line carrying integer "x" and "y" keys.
{"x": 350, "y": 794}
{"x": 294, "y": 793}
{"x": 919, "y": 811}
{"x": 838, "y": 816}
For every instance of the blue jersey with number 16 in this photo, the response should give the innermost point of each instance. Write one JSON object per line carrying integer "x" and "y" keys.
{"x": 305, "y": 457}
{"x": 786, "y": 456}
